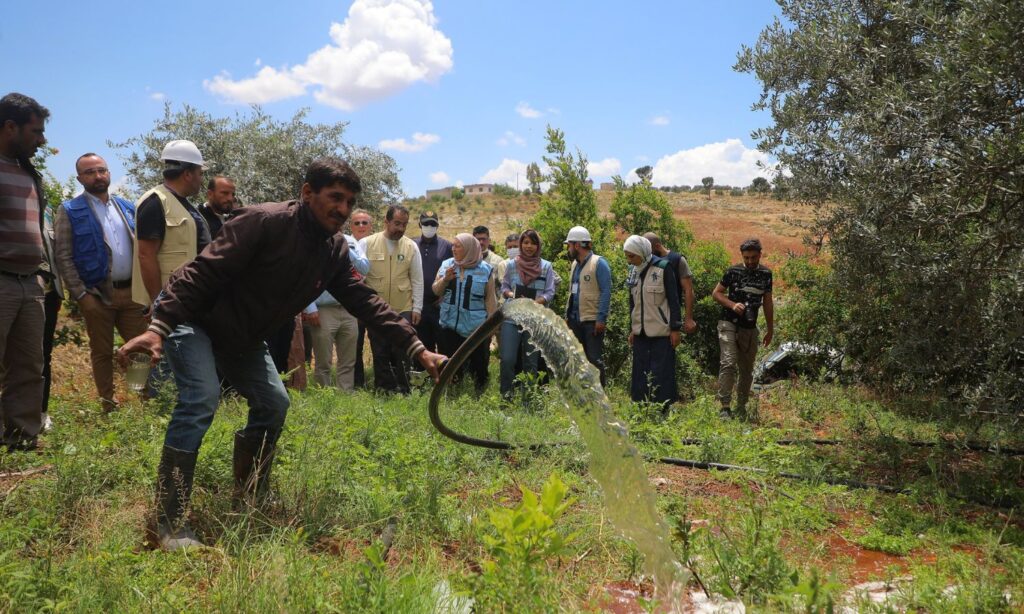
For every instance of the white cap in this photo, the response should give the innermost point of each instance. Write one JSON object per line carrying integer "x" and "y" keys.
{"x": 578, "y": 233}
{"x": 182, "y": 151}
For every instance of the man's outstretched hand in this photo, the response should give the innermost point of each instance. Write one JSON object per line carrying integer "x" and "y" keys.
{"x": 432, "y": 363}
{"x": 146, "y": 343}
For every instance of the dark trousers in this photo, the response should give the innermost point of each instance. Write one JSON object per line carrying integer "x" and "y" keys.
{"x": 390, "y": 364}
{"x": 429, "y": 328}
{"x": 654, "y": 371}
{"x": 279, "y": 344}
{"x": 593, "y": 344}
{"x": 51, "y": 305}
{"x": 359, "y": 377}
{"x": 476, "y": 365}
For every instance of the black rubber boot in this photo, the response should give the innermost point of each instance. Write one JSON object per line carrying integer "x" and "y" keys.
{"x": 173, "y": 491}
{"x": 252, "y": 462}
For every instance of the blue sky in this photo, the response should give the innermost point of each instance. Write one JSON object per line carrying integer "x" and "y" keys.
{"x": 457, "y": 92}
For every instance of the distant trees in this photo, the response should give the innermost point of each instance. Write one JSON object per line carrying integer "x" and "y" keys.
{"x": 708, "y": 183}
{"x": 534, "y": 177}
{"x": 760, "y": 186}
{"x": 909, "y": 138}
{"x": 267, "y": 158}
{"x": 645, "y": 173}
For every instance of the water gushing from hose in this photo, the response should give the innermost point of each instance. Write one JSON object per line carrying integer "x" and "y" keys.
{"x": 614, "y": 462}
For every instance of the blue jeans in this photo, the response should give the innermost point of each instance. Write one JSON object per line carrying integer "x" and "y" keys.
{"x": 194, "y": 363}
{"x": 516, "y": 349}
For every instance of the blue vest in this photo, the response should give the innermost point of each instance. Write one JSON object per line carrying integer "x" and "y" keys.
{"x": 89, "y": 250}
{"x": 464, "y": 306}
{"x": 537, "y": 284}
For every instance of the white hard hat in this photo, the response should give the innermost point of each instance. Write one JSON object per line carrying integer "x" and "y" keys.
{"x": 182, "y": 151}
{"x": 578, "y": 233}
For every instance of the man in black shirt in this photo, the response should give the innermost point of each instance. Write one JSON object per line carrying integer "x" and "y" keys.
{"x": 167, "y": 226}
{"x": 743, "y": 290}
{"x": 220, "y": 203}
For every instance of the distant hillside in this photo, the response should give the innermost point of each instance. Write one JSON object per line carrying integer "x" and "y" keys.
{"x": 729, "y": 219}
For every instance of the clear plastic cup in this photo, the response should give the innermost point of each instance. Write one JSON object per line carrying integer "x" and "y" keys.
{"x": 139, "y": 364}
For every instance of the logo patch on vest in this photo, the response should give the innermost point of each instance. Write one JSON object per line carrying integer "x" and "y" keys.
{"x": 401, "y": 257}
{"x": 654, "y": 276}
{"x": 586, "y": 278}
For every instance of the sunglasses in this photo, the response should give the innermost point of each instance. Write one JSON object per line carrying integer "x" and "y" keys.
{"x": 434, "y": 224}
{"x": 361, "y": 223}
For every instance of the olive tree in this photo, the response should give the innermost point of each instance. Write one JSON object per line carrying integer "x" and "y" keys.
{"x": 904, "y": 123}
{"x": 266, "y": 158}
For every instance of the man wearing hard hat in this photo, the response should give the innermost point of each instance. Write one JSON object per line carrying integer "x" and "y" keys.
{"x": 590, "y": 295}
{"x": 169, "y": 230}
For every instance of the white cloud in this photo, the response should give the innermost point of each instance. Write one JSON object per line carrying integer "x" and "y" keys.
{"x": 382, "y": 47}
{"x": 525, "y": 110}
{"x": 511, "y": 137}
{"x": 729, "y": 162}
{"x": 660, "y": 120}
{"x": 268, "y": 85}
{"x": 420, "y": 141}
{"x": 506, "y": 173}
{"x": 554, "y": 111}
{"x": 460, "y": 183}
{"x": 439, "y": 178}
{"x": 604, "y": 168}
{"x": 157, "y": 96}
{"x": 258, "y": 63}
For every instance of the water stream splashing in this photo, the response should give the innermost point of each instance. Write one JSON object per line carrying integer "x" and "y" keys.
{"x": 614, "y": 462}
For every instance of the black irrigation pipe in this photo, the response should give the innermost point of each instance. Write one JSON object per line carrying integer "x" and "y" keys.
{"x": 483, "y": 333}
{"x": 976, "y": 446}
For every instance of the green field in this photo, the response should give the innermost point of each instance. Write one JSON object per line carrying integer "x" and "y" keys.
{"x": 375, "y": 511}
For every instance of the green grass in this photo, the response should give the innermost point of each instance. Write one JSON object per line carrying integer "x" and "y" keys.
{"x": 72, "y": 537}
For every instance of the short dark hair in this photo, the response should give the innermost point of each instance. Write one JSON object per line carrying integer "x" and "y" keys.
{"x": 19, "y": 109}
{"x": 512, "y": 237}
{"x": 178, "y": 169}
{"x": 751, "y": 244}
{"x": 393, "y": 210}
{"x": 481, "y": 230}
{"x": 324, "y": 172}
{"x": 533, "y": 236}
{"x": 653, "y": 238}
{"x": 85, "y": 155}
{"x": 212, "y": 183}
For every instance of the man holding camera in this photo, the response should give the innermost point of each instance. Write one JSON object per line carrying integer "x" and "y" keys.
{"x": 743, "y": 290}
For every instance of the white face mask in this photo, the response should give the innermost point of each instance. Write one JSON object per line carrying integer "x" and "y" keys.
{"x": 513, "y": 252}
{"x": 428, "y": 231}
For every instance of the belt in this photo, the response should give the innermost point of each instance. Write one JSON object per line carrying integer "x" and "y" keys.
{"x": 121, "y": 285}
{"x": 19, "y": 275}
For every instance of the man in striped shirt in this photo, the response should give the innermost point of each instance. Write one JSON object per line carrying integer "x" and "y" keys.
{"x": 23, "y": 271}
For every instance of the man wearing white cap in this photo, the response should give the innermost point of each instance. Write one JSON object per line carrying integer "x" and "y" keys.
{"x": 169, "y": 230}
{"x": 590, "y": 295}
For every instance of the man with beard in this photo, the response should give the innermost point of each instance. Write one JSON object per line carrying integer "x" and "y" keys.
{"x": 26, "y": 267}
{"x": 94, "y": 255}
{"x": 266, "y": 265}
{"x": 743, "y": 290}
{"x": 220, "y": 203}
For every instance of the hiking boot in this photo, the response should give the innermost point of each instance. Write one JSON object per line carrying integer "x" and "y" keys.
{"x": 252, "y": 460}
{"x": 173, "y": 491}
{"x": 725, "y": 414}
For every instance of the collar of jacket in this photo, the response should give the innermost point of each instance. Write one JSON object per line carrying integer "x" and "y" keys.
{"x": 308, "y": 223}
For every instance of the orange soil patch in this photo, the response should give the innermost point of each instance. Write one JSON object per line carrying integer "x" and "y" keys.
{"x": 692, "y": 482}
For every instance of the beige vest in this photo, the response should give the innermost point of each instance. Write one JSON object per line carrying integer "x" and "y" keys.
{"x": 590, "y": 292}
{"x": 389, "y": 273}
{"x": 177, "y": 249}
{"x": 650, "y": 305}
{"x": 498, "y": 266}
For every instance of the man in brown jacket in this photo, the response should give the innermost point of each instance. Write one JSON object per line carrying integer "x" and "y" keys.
{"x": 265, "y": 266}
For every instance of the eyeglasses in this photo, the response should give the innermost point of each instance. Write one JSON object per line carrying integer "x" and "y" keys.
{"x": 95, "y": 171}
{"x": 361, "y": 223}
{"x": 434, "y": 224}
